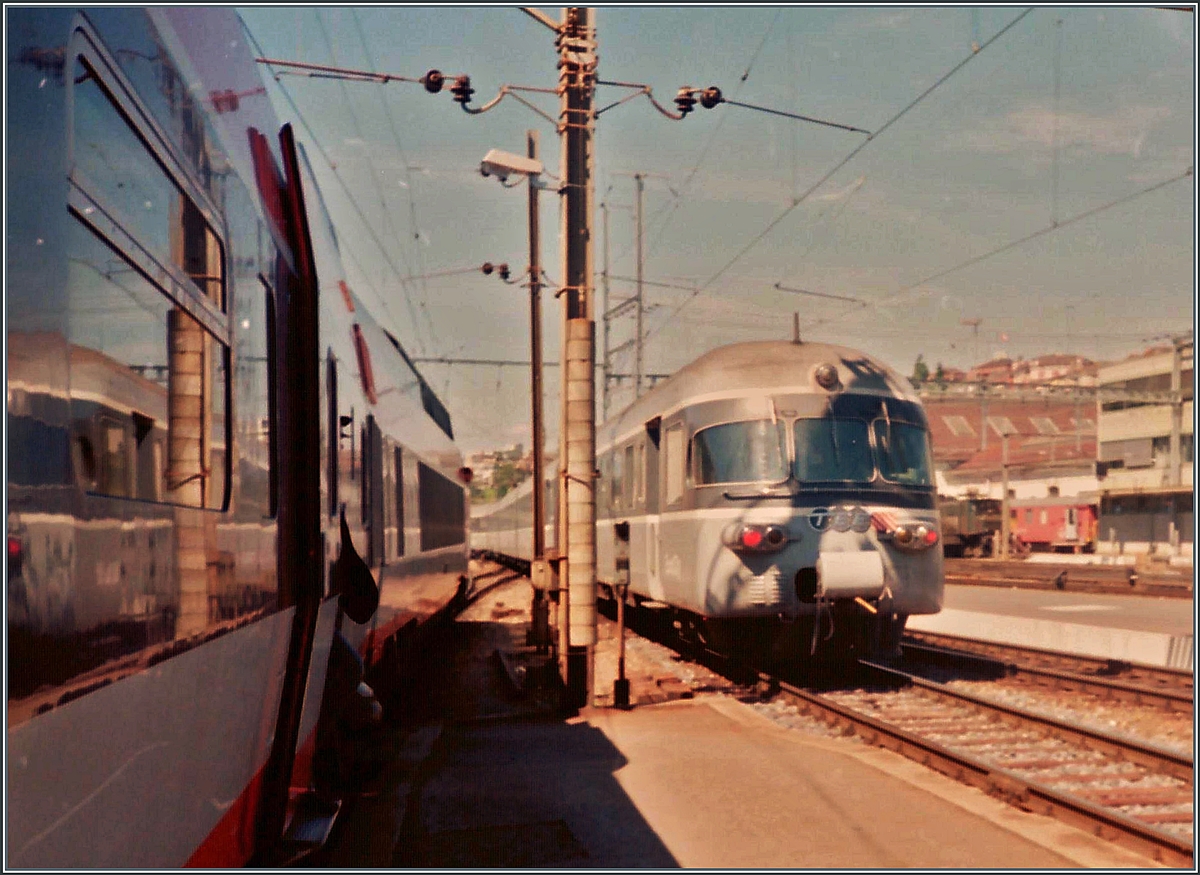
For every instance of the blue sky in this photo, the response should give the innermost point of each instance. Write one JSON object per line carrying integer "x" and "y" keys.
{"x": 1069, "y": 110}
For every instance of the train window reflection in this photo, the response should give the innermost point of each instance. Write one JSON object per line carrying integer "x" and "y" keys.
{"x": 114, "y": 165}
{"x": 740, "y": 452}
{"x": 833, "y": 449}
{"x": 903, "y": 451}
{"x": 148, "y": 386}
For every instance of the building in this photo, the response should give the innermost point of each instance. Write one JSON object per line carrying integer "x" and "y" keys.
{"x": 1051, "y": 440}
{"x": 1146, "y": 449}
{"x": 1057, "y": 368}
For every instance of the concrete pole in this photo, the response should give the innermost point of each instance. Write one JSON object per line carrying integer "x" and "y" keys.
{"x": 641, "y": 187}
{"x": 535, "y": 343}
{"x": 577, "y": 78}
{"x": 1005, "y": 526}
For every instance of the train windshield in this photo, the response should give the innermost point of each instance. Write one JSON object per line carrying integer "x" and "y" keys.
{"x": 740, "y": 452}
{"x": 833, "y": 449}
{"x": 903, "y": 453}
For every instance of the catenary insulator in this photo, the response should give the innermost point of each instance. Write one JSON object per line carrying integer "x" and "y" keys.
{"x": 710, "y": 97}
{"x": 684, "y": 100}
{"x": 433, "y": 81}
{"x": 462, "y": 90}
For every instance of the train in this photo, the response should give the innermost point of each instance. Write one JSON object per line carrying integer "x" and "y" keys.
{"x": 970, "y": 525}
{"x": 1055, "y": 524}
{"x": 775, "y": 497}
{"x": 233, "y": 503}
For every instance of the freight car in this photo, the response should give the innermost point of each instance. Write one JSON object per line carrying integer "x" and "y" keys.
{"x": 1054, "y": 524}
{"x": 970, "y": 525}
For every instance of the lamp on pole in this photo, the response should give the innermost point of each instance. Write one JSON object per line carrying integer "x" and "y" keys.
{"x": 502, "y": 165}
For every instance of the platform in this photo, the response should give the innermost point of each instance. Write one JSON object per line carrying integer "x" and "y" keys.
{"x": 1148, "y": 631}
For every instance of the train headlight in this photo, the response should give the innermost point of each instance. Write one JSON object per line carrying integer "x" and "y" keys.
{"x": 774, "y": 536}
{"x": 902, "y": 536}
{"x": 826, "y": 376}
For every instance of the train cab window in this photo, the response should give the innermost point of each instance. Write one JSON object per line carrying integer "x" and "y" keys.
{"x": 903, "y": 453}
{"x": 739, "y": 452}
{"x": 832, "y": 450}
{"x": 673, "y": 463}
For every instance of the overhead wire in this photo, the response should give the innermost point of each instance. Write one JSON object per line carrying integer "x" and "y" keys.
{"x": 1012, "y": 244}
{"x": 353, "y": 203}
{"x": 682, "y": 191}
{"x": 412, "y": 207}
{"x": 797, "y": 201}
{"x": 381, "y": 189}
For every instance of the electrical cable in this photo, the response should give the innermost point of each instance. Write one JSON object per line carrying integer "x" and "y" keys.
{"x": 412, "y": 207}
{"x": 870, "y": 139}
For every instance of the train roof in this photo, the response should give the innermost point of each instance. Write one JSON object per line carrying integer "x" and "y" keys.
{"x": 766, "y": 366}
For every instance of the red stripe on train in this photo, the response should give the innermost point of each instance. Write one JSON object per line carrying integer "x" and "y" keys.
{"x": 231, "y": 842}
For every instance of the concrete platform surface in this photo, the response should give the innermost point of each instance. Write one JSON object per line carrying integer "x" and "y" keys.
{"x": 1149, "y": 631}
{"x": 709, "y": 782}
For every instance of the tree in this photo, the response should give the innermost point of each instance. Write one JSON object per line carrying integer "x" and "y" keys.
{"x": 920, "y": 371}
{"x": 939, "y": 375}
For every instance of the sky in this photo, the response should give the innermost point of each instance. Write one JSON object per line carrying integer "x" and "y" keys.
{"x": 1027, "y": 167}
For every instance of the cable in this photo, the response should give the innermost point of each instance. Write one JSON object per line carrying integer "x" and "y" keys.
{"x": 412, "y": 207}
{"x": 1055, "y": 226}
{"x": 380, "y": 188}
{"x": 704, "y": 152}
{"x": 353, "y": 202}
{"x": 870, "y": 139}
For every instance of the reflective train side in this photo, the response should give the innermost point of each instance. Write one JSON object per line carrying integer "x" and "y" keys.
{"x": 205, "y": 428}
{"x": 777, "y": 496}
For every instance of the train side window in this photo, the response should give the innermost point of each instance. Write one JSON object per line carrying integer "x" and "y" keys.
{"x": 146, "y": 287}
{"x": 152, "y": 381}
{"x": 334, "y": 426}
{"x": 399, "y": 456}
{"x": 640, "y": 472}
{"x": 628, "y": 489}
{"x": 442, "y": 508}
{"x": 674, "y": 462}
{"x": 618, "y": 477}
{"x": 372, "y": 489}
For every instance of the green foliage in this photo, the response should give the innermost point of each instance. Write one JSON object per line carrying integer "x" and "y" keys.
{"x": 920, "y": 371}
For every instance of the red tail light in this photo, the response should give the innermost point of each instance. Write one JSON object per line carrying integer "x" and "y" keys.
{"x": 16, "y": 552}
{"x": 751, "y": 538}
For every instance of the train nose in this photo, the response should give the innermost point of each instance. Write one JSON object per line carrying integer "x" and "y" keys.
{"x": 851, "y": 574}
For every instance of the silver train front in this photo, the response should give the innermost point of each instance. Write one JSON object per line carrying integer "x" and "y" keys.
{"x": 768, "y": 482}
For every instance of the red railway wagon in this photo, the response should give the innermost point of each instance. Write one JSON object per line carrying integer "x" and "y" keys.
{"x": 1055, "y": 524}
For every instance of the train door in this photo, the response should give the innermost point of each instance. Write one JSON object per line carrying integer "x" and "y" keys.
{"x": 1071, "y": 526}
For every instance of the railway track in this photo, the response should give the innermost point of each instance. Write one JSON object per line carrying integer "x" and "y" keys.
{"x": 1171, "y": 687}
{"x": 1103, "y": 579}
{"x": 1134, "y": 793}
